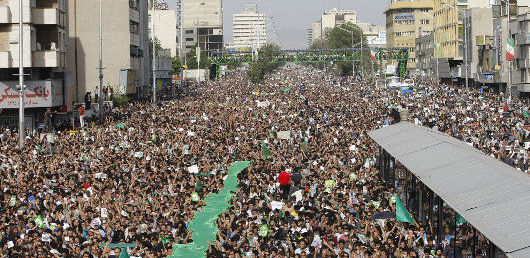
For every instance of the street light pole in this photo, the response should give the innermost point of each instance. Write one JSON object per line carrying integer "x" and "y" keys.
{"x": 21, "y": 122}
{"x": 154, "y": 48}
{"x": 101, "y": 108}
{"x": 510, "y": 63}
{"x": 181, "y": 55}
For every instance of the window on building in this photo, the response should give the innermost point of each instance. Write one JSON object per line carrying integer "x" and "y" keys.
{"x": 134, "y": 27}
{"x": 189, "y": 31}
{"x": 424, "y": 21}
{"x": 189, "y": 39}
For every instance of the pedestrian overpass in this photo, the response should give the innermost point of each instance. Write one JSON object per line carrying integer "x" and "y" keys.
{"x": 312, "y": 56}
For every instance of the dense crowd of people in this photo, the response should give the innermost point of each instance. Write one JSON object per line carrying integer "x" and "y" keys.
{"x": 138, "y": 176}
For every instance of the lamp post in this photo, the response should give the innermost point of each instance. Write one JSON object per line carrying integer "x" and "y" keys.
{"x": 21, "y": 122}
{"x": 362, "y": 52}
{"x": 154, "y": 48}
{"x": 101, "y": 108}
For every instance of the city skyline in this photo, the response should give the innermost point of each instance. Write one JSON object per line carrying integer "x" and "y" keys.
{"x": 292, "y": 29}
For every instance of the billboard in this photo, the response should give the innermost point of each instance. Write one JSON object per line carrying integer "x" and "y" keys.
{"x": 47, "y": 93}
{"x": 406, "y": 16}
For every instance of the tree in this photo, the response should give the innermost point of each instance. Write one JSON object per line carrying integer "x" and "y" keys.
{"x": 158, "y": 47}
{"x": 264, "y": 64}
{"x": 337, "y": 38}
{"x": 191, "y": 59}
{"x": 176, "y": 65}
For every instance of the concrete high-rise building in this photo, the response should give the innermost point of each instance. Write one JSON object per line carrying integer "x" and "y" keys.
{"x": 449, "y": 28}
{"x": 202, "y": 20}
{"x": 332, "y": 18}
{"x": 405, "y": 21}
{"x": 125, "y": 46}
{"x": 478, "y": 22}
{"x": 165, "y": 29}
{"x": 250, "y": 28}
{"x": 316, "y": 30}
{"x": 44, "y": 59}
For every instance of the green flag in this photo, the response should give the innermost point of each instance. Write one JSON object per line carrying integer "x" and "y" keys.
{"x": 124, "y": 253}
{"x": 120, "y": 125}
{"x": 402, "y": 215}
{"x": 265, "y": 150}
{"x": 164, "y": 240}
{"x": 525, "y": 113}
{"x": 198, "y": 185}
{"x": 286, "y": 89}
{"x": 460, "y": 219}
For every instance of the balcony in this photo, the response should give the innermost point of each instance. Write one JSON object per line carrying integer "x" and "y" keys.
{"x": 134, "y": 15}
{"x": 523, "y": 39}
{"x": 524, "y": 63}
{"x": 47, "y": 58}
{"x": 5, "y": 15}
{"x": 48, "y": 16}
{"x": 523, "y": 87}
{"x": 6, "y": 60}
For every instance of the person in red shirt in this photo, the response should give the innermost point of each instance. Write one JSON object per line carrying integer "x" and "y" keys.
{"x": 82, "y": 116}
{"x": 284, "y": 179}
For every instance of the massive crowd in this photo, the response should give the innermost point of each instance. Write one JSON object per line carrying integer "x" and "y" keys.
{"x": 138, "y": 176}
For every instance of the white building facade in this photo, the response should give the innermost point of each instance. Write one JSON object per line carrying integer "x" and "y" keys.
{"x": 165, "y": 29}
{"x": 250, "y": 28}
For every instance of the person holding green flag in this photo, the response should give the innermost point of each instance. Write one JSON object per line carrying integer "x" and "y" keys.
{"x": 402, "y": 215}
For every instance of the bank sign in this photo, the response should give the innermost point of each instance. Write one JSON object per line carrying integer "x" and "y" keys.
{"x": 407, "y": 16}
{"x": 46, "y": 93}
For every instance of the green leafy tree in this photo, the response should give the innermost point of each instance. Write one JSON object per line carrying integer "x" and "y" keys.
{"x": 176, "y": 65}
{"x": 264, "y": 65}
{"x": 336, "y": 39}
{"x": 191, "y": 60}
{"x": 158, "y": 47}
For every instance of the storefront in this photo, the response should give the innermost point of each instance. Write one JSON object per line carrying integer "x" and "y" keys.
{"x": 39, "y": 97}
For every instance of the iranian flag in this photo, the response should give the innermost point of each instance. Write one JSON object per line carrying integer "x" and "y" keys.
{"x": 372, "y": 53}
{"x": 510, "y": 49}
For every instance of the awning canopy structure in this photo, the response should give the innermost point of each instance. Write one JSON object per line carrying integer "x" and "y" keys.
{"x": 492, "y": 196}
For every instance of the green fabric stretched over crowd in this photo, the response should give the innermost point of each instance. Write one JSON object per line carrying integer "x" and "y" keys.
{"x": 203, "y": 226}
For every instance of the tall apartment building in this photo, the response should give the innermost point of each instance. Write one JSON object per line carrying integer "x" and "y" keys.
{"x": 375, "y": 35}
{"x": 449, "y": 27}
{"x": 478, "y": 22}
{"x": 329, "y": 19}
{"x": 125, "y": 46}
{"x": 202, "y": 22}
{"x": 332, "y": 18}
{"x": 522, "y": 32}
{"x": 165, "y": 28}
{"x": 250, "y": 28}
{"x": 44, "y": 59}
{"x": 405, "y": 21}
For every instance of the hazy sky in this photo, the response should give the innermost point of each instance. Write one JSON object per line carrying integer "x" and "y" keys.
{"x": 293, "y": 17}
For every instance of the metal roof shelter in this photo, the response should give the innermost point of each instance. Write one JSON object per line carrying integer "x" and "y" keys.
{"x": 490, "y": 195}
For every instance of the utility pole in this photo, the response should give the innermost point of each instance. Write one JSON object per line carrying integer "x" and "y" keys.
{"x": 101, "y": 108}
{"x": 362, "y": 54}
{"x": 510, "y": 63}
{"x": 181, "y": 54}
{"x": 21, "y": 122}
{"x": 465, "y": 52}
{"x": 154, "y": 48}
{"x": 198, "y": 50}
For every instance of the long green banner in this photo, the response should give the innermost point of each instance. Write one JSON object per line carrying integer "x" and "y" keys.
{"x": 203, "y": 224}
